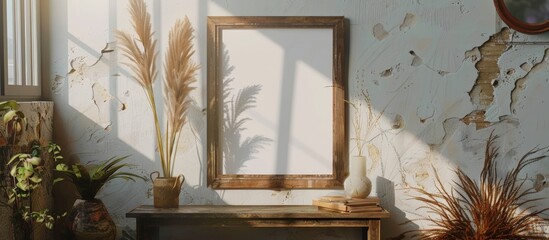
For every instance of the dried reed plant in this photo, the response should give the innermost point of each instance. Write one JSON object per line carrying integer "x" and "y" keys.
{"x": 493, "y": 209}
{"x": 361, "y": 134}
{"x": 179, "y": 74}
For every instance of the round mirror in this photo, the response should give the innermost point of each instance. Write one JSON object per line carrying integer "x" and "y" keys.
{"x": 527, "y": 16}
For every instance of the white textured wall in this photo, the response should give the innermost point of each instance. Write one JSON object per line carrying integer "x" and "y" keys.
{"x": 416, "y": 59}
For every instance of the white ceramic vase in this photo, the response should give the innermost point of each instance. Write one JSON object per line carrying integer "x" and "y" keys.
{"x": 357, "y": 184}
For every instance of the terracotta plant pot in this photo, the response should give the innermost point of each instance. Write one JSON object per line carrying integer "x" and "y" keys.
{"x": 166, "y": 191}
{"x": 89, "y": 219}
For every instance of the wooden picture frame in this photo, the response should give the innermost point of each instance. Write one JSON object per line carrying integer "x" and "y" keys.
{"x": 243, "y": 79}
{"x": 517, "y": 24}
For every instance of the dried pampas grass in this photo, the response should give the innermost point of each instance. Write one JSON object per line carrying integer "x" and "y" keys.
{"x": 142, "y": 52}
{"x": 179, "y": 75}
{"x": 493, "y": 209}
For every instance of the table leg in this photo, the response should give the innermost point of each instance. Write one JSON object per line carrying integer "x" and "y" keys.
{"x": 145, "y": 231}
{"x": 372, "y": 232}
{"x": 139, "y": 229}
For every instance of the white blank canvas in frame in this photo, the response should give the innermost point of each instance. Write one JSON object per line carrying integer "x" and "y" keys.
{"x": 292, "y": 116}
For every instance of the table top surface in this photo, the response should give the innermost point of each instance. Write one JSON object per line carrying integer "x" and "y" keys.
{"x": 249, "y": 212}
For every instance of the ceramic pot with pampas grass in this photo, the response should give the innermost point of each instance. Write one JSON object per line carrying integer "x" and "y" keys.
{"x": 179, "y": 74}
{"x": 357, "y": 184}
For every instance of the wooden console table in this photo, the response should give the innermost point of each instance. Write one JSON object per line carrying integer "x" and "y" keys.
{"x": 149, "y": 219}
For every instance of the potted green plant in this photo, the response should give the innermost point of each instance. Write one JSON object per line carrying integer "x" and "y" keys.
{"x": 179, "y": 74}
{"x": 89, "y": 218}
{"x": 25, "y": 170}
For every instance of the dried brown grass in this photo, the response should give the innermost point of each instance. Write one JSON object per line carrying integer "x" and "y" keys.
{"x": 142, "y": 52}
{"x": 179, "y": 74}
{"x": 362, "y": 136}
{"x": 495, "y": 208}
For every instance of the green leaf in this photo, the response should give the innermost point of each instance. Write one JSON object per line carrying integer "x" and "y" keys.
{"x": 11, "y": 198}
{"x": 36, "y": 179}
{"x": 127, "y": 176}
{"x": 26, "y": 216}
{"x": 18, "y": 157}
{"x": 10, "y": 115}
{"x": 107, "y": 173}
{"x": 23, "y": 185}
{"x": 76, "y": 171}
{"x": 89, "y": 180}
{"x": 13, "y": 171}
{"x": 55, "y": 151}
{"x": 57, "y": 180}
{"x": 9, "y": 105}
{"x": 34, "y": 161}
{"x": 39, "y": 218}
{"x": 24, "y": 173}
{"x": 110, "y": 163}
{"x": 15, "y": 122}
{"x": 61, "y": 167}
{"x": 35, "y": 151}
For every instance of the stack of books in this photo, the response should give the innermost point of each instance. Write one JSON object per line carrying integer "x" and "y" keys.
{"x": 350, "y": 205}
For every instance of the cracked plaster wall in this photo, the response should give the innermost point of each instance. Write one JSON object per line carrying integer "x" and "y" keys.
{"x": 435, "y": 70}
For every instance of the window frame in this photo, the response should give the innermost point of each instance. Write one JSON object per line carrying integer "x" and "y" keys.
{"x": 27, "y": 41}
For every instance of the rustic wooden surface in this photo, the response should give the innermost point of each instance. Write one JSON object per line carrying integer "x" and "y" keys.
{"x": 248, "y": 211}
{"x": 149, "y": 219}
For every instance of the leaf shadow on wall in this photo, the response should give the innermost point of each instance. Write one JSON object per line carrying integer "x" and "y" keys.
{"x": 236, "y": 152}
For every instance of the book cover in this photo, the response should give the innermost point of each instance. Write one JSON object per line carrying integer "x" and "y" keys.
{"x": 365, "y": 209}
{"x": 331, "y": 205}
{"x": 344, "y": 207}
{"x": 377, "y": 209}
{"x": 352, "y": 201}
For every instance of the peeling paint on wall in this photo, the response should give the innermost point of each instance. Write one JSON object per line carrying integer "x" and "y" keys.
{"x": 526, "y": 66}
{"x": 409, "y": 21}
{"x": 520, "y": 84}
{"x": 387, "y": 73}
{"x": 398, "y": 122}
{"x": 488, "y": 71}
{"x": 81, "y": 72}
{"x": 476, "y": 117}
{"x": 379, "y": 32}
{"x": 425, "y": 112}
{"x": 473, "y": 54}
{"x": 416, "y": 61}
